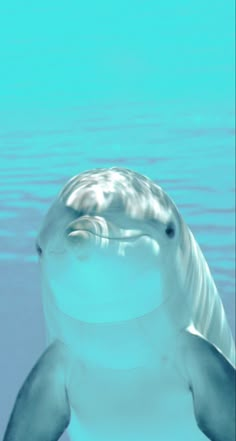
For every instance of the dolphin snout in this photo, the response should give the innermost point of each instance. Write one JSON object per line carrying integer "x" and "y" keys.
{"x": 96, "y": 226}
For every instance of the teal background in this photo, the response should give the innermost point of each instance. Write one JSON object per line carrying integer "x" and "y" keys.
{"x": 69, "y": 53}
{"x": 145, "y": 85}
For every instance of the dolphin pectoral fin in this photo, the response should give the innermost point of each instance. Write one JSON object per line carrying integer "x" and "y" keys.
{"x": 211, "y": 379}
{"x": 41, "y": 411}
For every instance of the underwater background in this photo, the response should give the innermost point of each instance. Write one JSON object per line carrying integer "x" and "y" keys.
{"x": 147, "y": 85}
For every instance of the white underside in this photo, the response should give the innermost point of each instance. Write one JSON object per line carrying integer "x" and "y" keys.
{"x": 131, "y": 389}
{"x": 171, "y": 432}
{"x": 163, "y": 411}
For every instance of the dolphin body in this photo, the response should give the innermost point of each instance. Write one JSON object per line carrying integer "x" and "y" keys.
{"x": 139, "y": 347}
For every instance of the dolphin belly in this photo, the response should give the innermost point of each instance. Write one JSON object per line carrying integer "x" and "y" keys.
{"x": 143, "y": 406}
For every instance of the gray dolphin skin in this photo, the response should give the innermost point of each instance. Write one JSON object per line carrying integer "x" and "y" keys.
{"x": 139, "y": 347}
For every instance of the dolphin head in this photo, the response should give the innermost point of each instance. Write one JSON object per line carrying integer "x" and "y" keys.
{"x": 108, "y": 246}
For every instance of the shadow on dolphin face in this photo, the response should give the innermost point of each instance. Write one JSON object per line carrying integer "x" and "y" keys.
{"x": 94, "y": 283}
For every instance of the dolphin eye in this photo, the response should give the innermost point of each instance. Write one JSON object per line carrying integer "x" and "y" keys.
{"x": 39, "y": 249}
{"x": 170, "y": 230}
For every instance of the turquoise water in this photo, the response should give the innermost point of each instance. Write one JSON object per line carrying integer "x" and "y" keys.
{"x": 148, "y": 86}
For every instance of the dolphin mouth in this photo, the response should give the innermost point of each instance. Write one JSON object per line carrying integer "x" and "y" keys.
{"x": 83, "y": 236}
{"x": 99, "y": 227}
{"x": 103, "y": 232}
{"x": 128, "y": 238}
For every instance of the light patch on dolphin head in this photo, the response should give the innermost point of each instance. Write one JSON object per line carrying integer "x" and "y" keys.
{"x": 117, "y": 190}
{"x": 108, "y": 245}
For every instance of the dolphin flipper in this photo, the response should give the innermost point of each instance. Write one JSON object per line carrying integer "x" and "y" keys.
{"x": 211, "y": 379}
{"x": 42, "y": 411}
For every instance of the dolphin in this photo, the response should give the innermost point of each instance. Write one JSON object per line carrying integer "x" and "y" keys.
{"x": 138, "y": 343}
